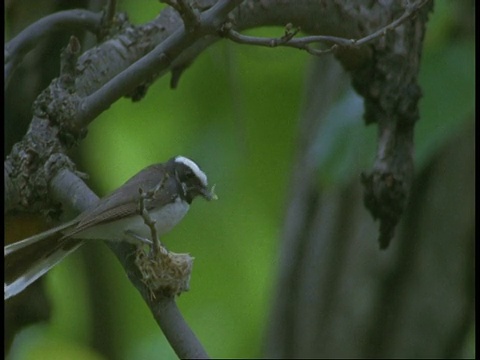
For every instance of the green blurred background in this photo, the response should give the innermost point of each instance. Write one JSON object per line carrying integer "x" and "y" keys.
{"x": 235, "y": 112}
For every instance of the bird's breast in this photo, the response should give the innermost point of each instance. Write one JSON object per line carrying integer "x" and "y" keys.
{"x": 169, "y": 215}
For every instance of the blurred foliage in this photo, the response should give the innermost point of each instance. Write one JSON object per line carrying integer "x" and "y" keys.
{"x": 235, "y": 112}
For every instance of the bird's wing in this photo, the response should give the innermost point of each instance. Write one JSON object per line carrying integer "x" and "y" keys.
{"x": 117, "y": 205}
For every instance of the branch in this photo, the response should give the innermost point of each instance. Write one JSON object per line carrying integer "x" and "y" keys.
{"x": 157, "y": 61}
{"x": 19, "y": 46}
{"x": 176, "y": 330}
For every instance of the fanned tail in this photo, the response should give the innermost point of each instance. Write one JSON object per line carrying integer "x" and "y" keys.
{"x": 11, "y": 248}
{"x": 29, "y": 259}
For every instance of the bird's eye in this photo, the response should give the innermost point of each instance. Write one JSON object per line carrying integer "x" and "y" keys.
{"x": 189, "y": 175}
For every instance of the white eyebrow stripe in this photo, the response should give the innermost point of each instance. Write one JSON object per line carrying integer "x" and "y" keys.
{"x": 199, "y": 173}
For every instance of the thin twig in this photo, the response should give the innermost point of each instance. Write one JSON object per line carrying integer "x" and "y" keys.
{"x": 156, "y": 247}
{"x": 303, "y": 43}
{"x": 298, "y": 43}
{"x": 410, "y": 9}
{"x": 68, "y": 62}
{"x": 110, "y": 11}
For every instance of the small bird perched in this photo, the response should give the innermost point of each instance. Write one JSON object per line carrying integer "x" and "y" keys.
{"x": 172, "y": 185}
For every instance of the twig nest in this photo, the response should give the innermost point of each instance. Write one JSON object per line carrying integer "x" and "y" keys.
{"x": 164, "y": 273}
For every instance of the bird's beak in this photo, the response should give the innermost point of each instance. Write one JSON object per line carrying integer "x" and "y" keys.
{"x": 209, "y": 194}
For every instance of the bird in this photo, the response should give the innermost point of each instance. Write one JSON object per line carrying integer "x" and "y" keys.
{"x": 171, "y": 186}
